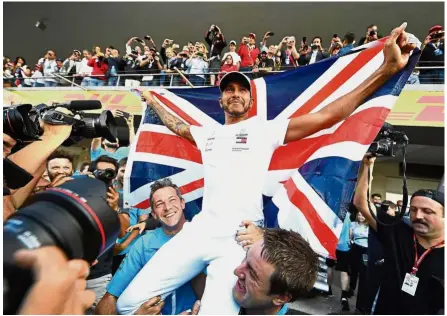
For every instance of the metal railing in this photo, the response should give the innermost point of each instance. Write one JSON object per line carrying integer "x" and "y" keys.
{"x": 421, "y": 74}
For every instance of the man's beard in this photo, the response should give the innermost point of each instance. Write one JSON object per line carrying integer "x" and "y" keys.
{"x": 53, "y": 176}
{"x": 233, "y": 113}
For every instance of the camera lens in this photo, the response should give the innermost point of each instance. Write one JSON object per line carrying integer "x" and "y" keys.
{"x": 74, "y": 217}
{"x": 18, "y": 124}
{"x": 102, "y": 126}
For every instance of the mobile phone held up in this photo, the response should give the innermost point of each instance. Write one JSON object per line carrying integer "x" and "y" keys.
{"x": 270, "y": 33}
{"x": 126, "y": 115}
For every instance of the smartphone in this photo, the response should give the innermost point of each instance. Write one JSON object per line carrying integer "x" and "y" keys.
{"x": 147, "y": 37}
{"x": 270, "y": 34}
{"x": 335, "y": 35}
{"x": 139, "y": 40}
{"x": 304, "y": 39}
{"x": 125, "y": 114}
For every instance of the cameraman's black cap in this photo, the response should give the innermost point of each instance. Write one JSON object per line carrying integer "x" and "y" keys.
{"x": 234, "y": 76}
{"x": 431, "y": 194}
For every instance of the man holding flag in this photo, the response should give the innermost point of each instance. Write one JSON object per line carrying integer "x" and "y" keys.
{"x": 236, "y": 157}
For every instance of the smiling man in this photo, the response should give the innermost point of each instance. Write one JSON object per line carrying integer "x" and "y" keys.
{"x": 167, "y": 206}
{"x": 236, "y": 157}
{"x": 278, "y": 269}
{"x": 413, "y": 269}
{"x": 58, "y": 163}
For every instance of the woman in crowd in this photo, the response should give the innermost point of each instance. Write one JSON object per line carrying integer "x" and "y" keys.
{"x": 359, "y": 258}
{"x": 198, "y": 65}
{"x": 334, "y": 49}
{"x": 227, "y": 66}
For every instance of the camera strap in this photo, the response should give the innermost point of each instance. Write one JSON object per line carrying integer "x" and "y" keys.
{"x": 404, "y": 195}
{"x": 58, "y": 118}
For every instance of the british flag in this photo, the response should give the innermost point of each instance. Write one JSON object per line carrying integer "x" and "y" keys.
{"x": 310, "y": 182}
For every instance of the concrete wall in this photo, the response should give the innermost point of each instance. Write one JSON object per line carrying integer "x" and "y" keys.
{"x": 386, "y": 178}
{"x": 84, "y": 24}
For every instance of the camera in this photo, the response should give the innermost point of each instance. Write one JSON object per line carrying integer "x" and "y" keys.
{"x": 372, "y": 33}
{"x": 437, "y": 35}
{"x": 105, "y": 176}
{"x": 74, "y": 217}
{"x": 21, "y": 121}
{"x": 388, "y": 141}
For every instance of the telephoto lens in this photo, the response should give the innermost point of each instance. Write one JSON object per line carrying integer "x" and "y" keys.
{"x": 74, "y": 217}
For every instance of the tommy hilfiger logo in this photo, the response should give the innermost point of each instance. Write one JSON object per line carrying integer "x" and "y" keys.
{"x": 241, "y": 138}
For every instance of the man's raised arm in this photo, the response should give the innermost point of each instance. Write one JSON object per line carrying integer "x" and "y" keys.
{"x": 361, "y": 198}
{"x": 176, "y": 125}
{"x": 397, "y": 53}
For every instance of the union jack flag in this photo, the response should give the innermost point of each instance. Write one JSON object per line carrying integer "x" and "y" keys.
{"x": 310, "y": 182}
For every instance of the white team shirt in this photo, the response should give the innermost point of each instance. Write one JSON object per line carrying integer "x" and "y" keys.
{"x": 236, "y": 158}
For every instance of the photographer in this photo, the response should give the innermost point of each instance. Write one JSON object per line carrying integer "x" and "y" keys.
{"x": 248, "y": 52}
{"x": 413, "y": 269}
{"x": 317, "y": 53}
{"x": 372, "y": 34}
{"x": 71, "y": 66}
{"x": 101, "y": 273}
{"x": 32, "y": 159}
{"x": 289, "y": 57}
{"x": 148, "y": 66}
{"x": 433, "y": 56}
{"x": 60, "y": 283}
{"x": 99, "y": 71}
{"x": 197, "y": 66}
{"x": 101, "y": 146}
{"x": 216, "y": 40}
{"x": 49, "y": 65}
{"x": 115, "y": 65}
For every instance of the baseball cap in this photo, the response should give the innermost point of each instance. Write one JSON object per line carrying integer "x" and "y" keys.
{"x": 233, "y": 42}
{"x": 435, "y": 28}
{"x": 252, "y": 35}
{"x": 234, "y": 76}
{"x": 431, "y": 194}
{"x": 152, "y": 49}
{"x": 264, "y": 50}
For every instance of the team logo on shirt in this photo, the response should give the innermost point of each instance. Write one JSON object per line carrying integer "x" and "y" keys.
{"x": 242, "y": 137}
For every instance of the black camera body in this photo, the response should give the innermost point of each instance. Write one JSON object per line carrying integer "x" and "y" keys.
{"x": 21, "y": 121}
{"x": 388, "y": 141}
{"x": 75, "y": 217}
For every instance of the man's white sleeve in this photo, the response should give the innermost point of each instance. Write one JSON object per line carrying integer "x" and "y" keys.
{"x": 198, "y": 133}
{"x": 276, "y": 131}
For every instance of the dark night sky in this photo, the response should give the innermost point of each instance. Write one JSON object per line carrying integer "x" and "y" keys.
{"x": 82, "y": 25}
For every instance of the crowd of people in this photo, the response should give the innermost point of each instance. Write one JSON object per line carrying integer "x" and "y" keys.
{"x": 201, "y": 63}
{"x": 163, "y": 264}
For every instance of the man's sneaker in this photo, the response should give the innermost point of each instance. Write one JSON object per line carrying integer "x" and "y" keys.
{"x": 350, "y": 293}
{"x": 344, "y": 304}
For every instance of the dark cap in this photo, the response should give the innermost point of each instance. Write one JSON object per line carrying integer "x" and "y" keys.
{"x": 252, "y": 35}
{"x": 431, "y": 194}
{"x": 234, "y": 76}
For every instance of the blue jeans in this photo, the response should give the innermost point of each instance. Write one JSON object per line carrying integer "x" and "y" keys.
{"x": 112, "y": 81}
{"x": 196, "y": 80}
{"x": 38, "y": 85}
{"x": 149, "y": 83}
{"x": 93, "y": 82}
{"x": 50, "y": 83}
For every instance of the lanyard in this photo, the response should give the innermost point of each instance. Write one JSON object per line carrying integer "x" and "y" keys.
{"x": 417, "y": 260}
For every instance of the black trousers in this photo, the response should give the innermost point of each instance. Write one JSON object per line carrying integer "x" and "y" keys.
{"x": 358, "y": 272}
